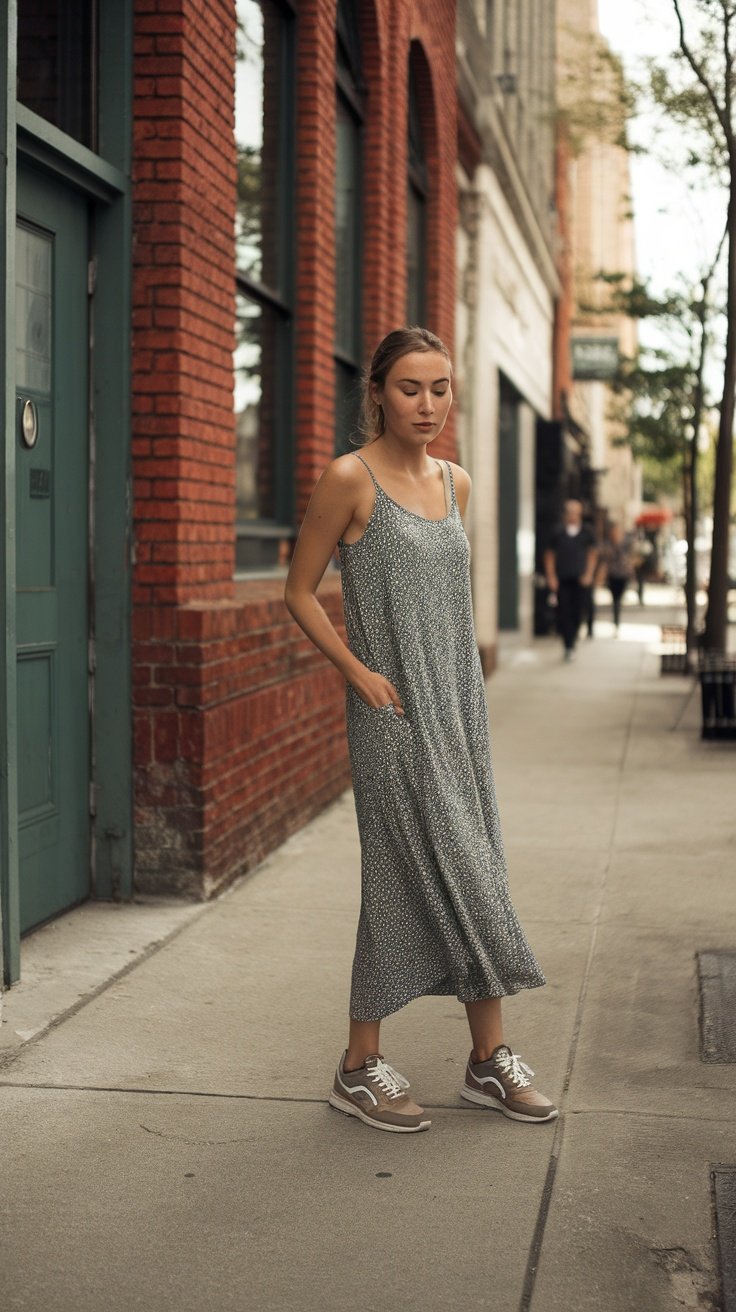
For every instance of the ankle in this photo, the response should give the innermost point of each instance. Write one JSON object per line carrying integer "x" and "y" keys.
{"x": 482, "y": 1052}
{"x": 353, "y": 1063}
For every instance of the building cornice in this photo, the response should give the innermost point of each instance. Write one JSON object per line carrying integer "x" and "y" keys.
{"x": 483, "y": 113}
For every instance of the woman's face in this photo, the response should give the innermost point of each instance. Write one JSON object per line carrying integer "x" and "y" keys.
{"x": 416, "y": 396}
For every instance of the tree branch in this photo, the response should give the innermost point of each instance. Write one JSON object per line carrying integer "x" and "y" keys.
{"x": 717, "y": 257}
{"x": 728, "y": 58}
{"x": 702, "y": 78}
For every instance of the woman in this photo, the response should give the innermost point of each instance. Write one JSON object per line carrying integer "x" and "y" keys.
{"x": 436, "y": 915}
{"x": 616, "y": 567}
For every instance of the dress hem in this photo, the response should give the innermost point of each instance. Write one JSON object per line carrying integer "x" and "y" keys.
{"x": 443, "y": 989}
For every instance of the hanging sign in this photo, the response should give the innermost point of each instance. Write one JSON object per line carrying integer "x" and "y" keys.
{"x": 594, "y": 358}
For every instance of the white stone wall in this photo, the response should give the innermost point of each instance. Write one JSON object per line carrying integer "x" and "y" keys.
{"x": 504, "y": 324}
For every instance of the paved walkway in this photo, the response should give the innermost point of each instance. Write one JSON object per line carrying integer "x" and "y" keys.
{"x": 169, "y": 1146}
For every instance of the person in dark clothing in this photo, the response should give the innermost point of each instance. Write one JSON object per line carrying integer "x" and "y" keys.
{"x": 569, "y": 564}
{"x": 588, "y": 597}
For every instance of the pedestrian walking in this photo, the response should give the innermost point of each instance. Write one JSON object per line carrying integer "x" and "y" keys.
{"x": 436, "y": 916}
{"x": 643, "y": 553}
{"x": 569, "y": 564}
{"x": 588, "y": 593}
{"x": 616, "y": 568}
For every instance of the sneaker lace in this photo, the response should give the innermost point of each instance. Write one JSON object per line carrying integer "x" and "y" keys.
{"x": 387, "y": 1079}
{"x": 516, "y": 1069}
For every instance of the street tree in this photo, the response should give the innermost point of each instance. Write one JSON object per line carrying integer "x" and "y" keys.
{"x": 660, "y": 396}
{"x": 700, "y": 98}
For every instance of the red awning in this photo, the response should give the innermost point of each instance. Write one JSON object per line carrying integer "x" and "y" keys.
{"x": 653, "y": 516}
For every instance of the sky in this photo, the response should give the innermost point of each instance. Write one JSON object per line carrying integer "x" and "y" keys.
{"x": 674, "y": 229}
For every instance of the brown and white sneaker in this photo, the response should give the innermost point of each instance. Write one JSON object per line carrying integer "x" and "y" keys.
{"x": 376, "y": 1094}
{"x": 502, "y": 1082}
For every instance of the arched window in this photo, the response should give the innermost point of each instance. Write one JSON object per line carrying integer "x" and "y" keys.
{"x": 416, "y": 209}
{"x": 348, "y": 228}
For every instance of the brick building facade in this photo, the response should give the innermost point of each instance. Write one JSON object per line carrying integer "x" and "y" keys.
{"x": 239, "y": 721}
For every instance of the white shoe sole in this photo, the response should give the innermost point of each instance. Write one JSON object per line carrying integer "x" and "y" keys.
{"x": 342, "y": 1105}
{"x": 484, "y": 1100}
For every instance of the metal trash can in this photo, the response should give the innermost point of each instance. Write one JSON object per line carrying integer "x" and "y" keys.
{"x": 718, "y": 691}
{"x": 673, "y": 649}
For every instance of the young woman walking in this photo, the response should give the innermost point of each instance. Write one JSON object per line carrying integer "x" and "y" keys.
{"x": 616, "y": 569}
{"x": 436, "y": 915}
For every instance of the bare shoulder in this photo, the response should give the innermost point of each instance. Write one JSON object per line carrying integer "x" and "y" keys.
{"x": 461, "y": 476}
{"x": 341, "y": 478}
{"x": 346, "y": 471}
{"x": 343, "y": 492}
{"x": 463, "y": 484}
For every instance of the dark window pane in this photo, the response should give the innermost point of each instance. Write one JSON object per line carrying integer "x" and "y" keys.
{"x": 415, "y": 259}
{"x": 417, "y": 162}
{"x": 261, "y": 141}
{"x": 57, "y": 64}
{"x": 348, "y": 46}
{"x": 265, "y": 224}
{"x": 347, "y": 232}
{"x": 347, "y": 407}
{"x": 416, "y": 213}
{"x": 259, "y": 337}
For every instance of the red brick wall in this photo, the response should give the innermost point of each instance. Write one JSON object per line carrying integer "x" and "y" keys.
{"x": 183, "y": 300}
{"x": 239, "y": 735}
{"x": 239, "y": 720}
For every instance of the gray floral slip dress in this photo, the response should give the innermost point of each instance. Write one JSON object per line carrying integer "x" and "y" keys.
{"x": 436, "y": 915}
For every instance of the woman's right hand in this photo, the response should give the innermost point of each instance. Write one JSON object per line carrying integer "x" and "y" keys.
{"x": 376, "y": 690}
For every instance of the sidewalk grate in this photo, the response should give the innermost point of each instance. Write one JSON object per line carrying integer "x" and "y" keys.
{"x": 717, "y": 979}
{"x": 724, "y": 1198}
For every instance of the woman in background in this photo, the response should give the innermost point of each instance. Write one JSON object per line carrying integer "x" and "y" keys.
{"x": 617, "y": 568}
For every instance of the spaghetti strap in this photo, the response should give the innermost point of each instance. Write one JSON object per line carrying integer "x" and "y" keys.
{"x": 449, "y": 484}
{"x": 370, "y": 471}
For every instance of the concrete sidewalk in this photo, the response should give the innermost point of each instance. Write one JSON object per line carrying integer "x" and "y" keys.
{"x": 169, "y": 1145}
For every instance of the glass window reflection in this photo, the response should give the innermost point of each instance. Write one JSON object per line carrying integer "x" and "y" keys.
{"x": 256, "y": 418}
{"x": 57, "y": 61}
{"x": 260, "y": 141}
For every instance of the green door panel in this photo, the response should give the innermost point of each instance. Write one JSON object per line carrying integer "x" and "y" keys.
{"x": 52, "y": 518}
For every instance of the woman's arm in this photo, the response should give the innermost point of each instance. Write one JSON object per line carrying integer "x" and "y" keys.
{"x": 338, "y": 497}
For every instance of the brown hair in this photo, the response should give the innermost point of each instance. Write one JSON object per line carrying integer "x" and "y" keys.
{"x": 395, "y": 345}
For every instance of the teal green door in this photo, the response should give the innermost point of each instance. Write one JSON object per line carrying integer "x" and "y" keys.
{"x": 52, "y": 535}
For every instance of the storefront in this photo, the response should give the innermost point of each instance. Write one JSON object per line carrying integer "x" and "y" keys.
{"x": 65, "y": 783}
{"x": 213, "y": 214}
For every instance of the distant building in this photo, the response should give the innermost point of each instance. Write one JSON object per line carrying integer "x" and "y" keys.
{"x": 596, "y": 236}
{"x": 507, "y": 288}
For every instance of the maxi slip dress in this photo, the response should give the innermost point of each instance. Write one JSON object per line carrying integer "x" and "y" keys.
{"x": 436, "y": 915}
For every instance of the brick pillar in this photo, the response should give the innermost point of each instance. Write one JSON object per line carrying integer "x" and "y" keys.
{"x": 315, "y": 291}
{"x": 183, "y": 300}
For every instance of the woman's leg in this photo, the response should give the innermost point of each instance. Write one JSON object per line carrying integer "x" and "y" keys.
{"x": 617, "y": 587}
{"x": 363, "y": 1041}
{"x": 486, "y": 1027}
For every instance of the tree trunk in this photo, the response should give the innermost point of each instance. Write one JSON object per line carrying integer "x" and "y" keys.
{"x": 691, "y": 468}
{"x": 717, "y": 618}
{"x": 691, "y": 513}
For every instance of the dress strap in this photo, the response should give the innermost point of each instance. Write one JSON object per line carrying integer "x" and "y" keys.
{"x": 449, "y": 485}
{"x": 370, "y": 471}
